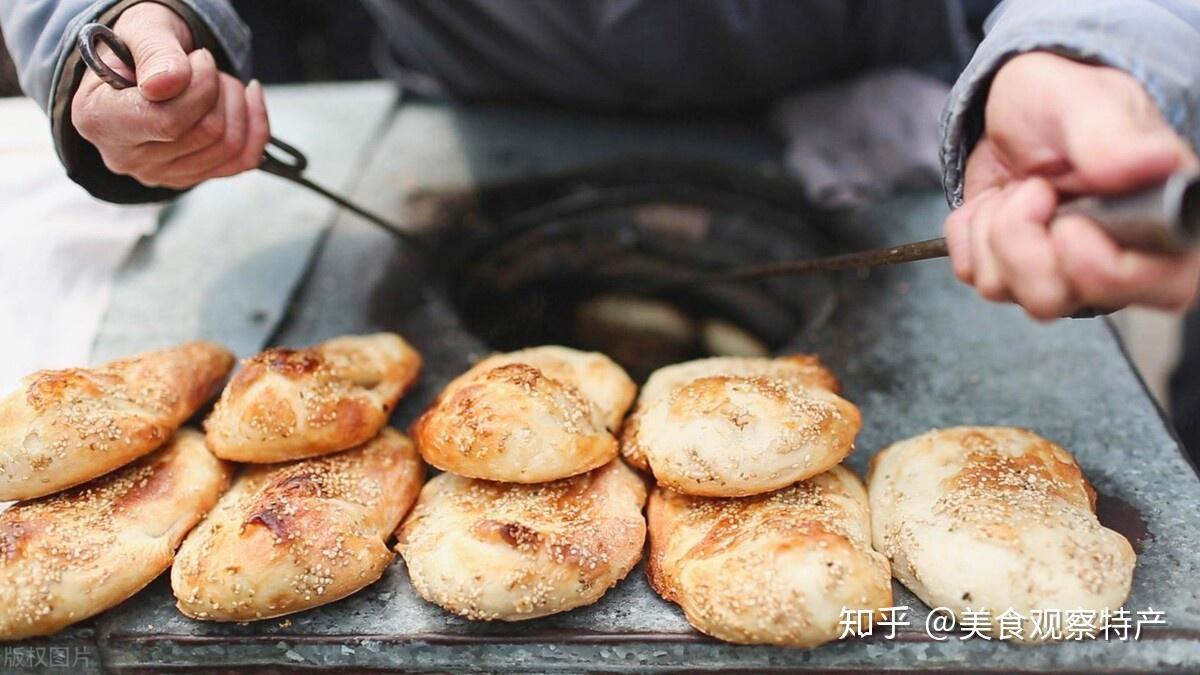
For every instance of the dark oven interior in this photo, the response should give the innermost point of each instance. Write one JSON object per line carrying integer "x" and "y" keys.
{"x": 587, "y": 259}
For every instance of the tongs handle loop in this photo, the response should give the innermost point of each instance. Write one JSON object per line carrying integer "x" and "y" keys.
{"x": 89, "y": 37}
{"x": 289, "y": 163}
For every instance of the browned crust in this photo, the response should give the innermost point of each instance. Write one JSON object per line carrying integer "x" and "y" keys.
{"x": 286, "y": 404}
{"x": 73, "y": 554}
{"x": 726, "y": 529}
{"x": 89, "y": 421}
{"x": 466, "y": 429}
{"x": 702, "y": 389}
{"x": 817, "y": 373}
{"x": 300, "y": 534}
{"x": 631, "y": 452}
{"x": 577, "y": 548}
{"x": 720, "y": 560}
{"x": 661, "y": 512}
{"x": 292, "y": 501}
{"x": 998, "y": 493}
{"x": 586, "y": 529}
{"x": 986, "y": 470}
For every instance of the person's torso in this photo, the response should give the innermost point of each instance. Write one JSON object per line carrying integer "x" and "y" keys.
{"x": 659, "y": 54}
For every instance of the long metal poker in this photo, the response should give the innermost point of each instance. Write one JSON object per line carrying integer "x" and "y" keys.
{"x": 1162, "y": 218}
{"x": 876, "y": 257}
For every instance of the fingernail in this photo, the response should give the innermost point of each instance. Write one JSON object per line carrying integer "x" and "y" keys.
{"x": 149, "y": 79}
{"x": 157, "y": 72}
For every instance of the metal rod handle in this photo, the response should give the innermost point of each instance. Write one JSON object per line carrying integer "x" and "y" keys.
{"x": 1161, "y": 218}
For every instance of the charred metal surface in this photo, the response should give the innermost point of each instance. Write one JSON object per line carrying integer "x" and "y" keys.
{"x": 914, "y": 349}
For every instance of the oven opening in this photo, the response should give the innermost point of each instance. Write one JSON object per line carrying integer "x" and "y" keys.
{"x": 585, "y": 261}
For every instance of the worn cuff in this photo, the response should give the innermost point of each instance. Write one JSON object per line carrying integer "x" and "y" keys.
{"x": 214, "y": 26}
{"x": 1145, "y": 39}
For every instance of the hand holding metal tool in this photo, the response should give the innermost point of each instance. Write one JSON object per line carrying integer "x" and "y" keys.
{"x": 1163, "y": 218}
{"x": 280, "y": 158}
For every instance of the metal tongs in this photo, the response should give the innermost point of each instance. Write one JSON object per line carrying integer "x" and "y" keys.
{"x": 279, "y": 158}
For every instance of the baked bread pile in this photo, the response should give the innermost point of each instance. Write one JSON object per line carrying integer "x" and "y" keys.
{"x": 756, "y": 531}
{"x": 536, "y": 513}
{"x": 113, "y": 486}
{"x": 761, "y": 537}
{"x": 308, "y": 522}
{"x": 110, "y": 483}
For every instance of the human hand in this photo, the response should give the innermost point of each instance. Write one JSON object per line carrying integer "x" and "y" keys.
{"x": 1054, "y": 128}
{"x": 185, "y": 122}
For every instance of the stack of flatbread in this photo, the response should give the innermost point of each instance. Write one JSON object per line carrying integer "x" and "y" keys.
{"x": 756, "y": 530}
{"x": 535, "y": 513}
{"x": 107, "y": 480}
{"x": 761, "y": 536}
{"x": 308, "y": 520}
{"x": 110, "y": 485}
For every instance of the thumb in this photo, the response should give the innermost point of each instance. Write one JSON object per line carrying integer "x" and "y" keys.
{"x": 1119, "y": 141}
{"x": 1124, "y": 160}
{"x": 156, "y": 37}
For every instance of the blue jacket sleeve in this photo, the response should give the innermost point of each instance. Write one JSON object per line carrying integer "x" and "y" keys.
{"x": 1156, "y": 41}
{"x": 41, "y": 35}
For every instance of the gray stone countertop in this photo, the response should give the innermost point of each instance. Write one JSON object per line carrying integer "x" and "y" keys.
{"x": 915, "y": 351}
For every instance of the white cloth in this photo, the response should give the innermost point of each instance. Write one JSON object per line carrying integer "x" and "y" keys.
{"x": 59, "y": 250}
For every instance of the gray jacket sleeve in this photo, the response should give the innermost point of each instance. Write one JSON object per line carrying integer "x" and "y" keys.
{"x": 1156, "y": 41}
{"x": 41, "y": 36}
